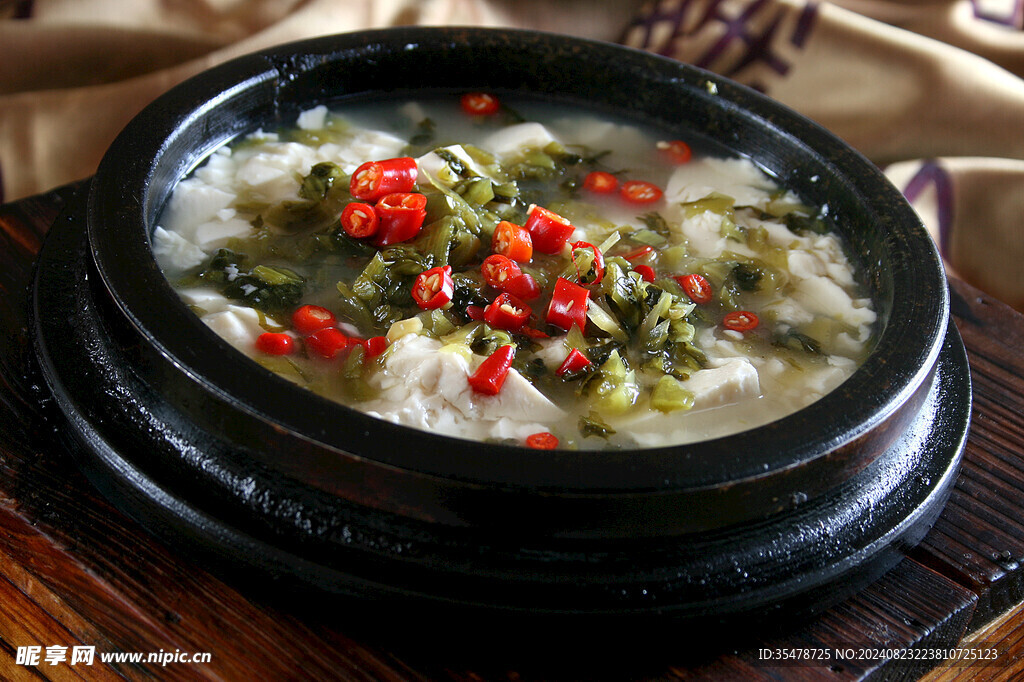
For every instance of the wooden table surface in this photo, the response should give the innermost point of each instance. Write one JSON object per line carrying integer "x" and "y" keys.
{"x": 74, "y": 572}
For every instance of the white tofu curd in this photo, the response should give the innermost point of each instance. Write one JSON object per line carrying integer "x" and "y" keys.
{"x": 423, "y": 387}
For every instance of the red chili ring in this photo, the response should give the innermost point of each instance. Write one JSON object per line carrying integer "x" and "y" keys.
{"x": 740, "y": 321}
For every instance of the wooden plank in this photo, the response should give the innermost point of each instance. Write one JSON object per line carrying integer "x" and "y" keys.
{"x": 1005, "y": 635}
{"x": 979, "y": 539}
{"x": 24, "y": 623}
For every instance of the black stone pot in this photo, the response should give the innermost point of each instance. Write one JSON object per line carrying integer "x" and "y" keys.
{"x": 247, "y": 470}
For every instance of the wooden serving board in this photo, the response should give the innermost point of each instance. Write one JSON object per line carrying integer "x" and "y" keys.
{"x": 76, "y": 572}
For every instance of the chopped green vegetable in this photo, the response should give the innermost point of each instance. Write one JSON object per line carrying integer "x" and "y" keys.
{"x": 593, "y": 425}
{"x": 273, "y": 290}
{"x": 669, "y": 395}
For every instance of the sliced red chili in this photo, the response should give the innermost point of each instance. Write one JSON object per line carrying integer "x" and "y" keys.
{"x": 507, "y": 312}
{"x": 534, "y": 333}
{"x": 549, "y": 231}
{"x": 676, "y": 151}
{"x": 434, "y": 288}
{"x": 375, "y": 345}
{"x": 375, "y": 179}
{"x": 475, "y": 312}
{"x": 640, "y": 192}
{"x": 327, "y": 343}
{"x": 595, "y": 273}
{"x": 490, "y": 375}
{"x": 600, "y": 182}
{"x": 568, "y": 305}
{"x": 275, "y": 343}
{"x": 574, "y": 362}
{"x": 740, "y": 321}
{"x": 696, "y": 287}
{"x": 401, "y": 217}
{"x": 645, "y": 271}
{"x": 480, "y": 103}
{"x": 359, "y": 220}
{"x": 498, "y": 269}
{"x": 545, "y": 440}
{"x": 512, "y": 241}
{"x": 638, "y": 253}
{"x": 310, "y": 318}
{"x": 523, "y": 286}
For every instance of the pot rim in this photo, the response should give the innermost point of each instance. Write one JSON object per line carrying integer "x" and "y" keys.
{"x": 156, "y": 149}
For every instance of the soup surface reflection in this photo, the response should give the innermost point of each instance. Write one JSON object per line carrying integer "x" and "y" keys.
{"x": 525, "y": 273}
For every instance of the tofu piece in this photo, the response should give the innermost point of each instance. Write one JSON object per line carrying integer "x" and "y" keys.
{"x": 804, "y": 264}
{"x": 210, "y": 300}
{"x": 218, "y": 169}
{"x": 737, "y": 178}
{"x": 175, "y": 251}
{"x": 731, "y": 382}
{"x": 515, "y": 138}
{"x": 238, "y": 325}
{"x": 269, "y": 170}
{"x": 312, "y": 119}
{"x": 822, "y": 296}
{"x": 215, "y": 234}
{"x": 192, "y": 203}
{"x": 428, "y": 389}
{"x": 364, "y": 146}
{"x": 600, "y": 134}
{"x": 704, "y": 234}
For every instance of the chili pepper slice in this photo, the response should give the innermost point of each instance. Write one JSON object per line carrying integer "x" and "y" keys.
{"x": 498, "y": 269}
{"x": 375, "y": 179}
{"x": 480, "y": 104}
{"x": 545, "y": 440}
{"x": 275, "y": 343}
{"x": 512, "y": 241}
{"x": 310, "y": 318}
{"x": 434, "y": 288}
{"x": 490, "y": 375}
{"x": 696, "y": 287}
{"x": 327, "y": 343}
{"x": 549, "y": 231}
{"x": 507, "y": 312}
{"x": 568, "y": 305}
{"x": 474, "y": 312}
{"x": 600, "y": 182}
{"x": 645, "y": 271}
{"x": 401, "y": 217}
{"x": 676, "y": 151}
{"x": 523, "y": 286}
{"x": 740, "y": 321}
{"x": 637, "y": 254}
{"x": 596, "y": 266}
{"x": 640, "y": 192}
{"x": 574, "y": 362}
{"x": 359, "y": 220}
{"x": 375, "y": 345}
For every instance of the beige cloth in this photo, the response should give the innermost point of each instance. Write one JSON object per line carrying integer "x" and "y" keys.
{"x": 931, "y": 90}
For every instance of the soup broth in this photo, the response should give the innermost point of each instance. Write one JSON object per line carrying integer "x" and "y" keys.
{"x": 517, "y": 271}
